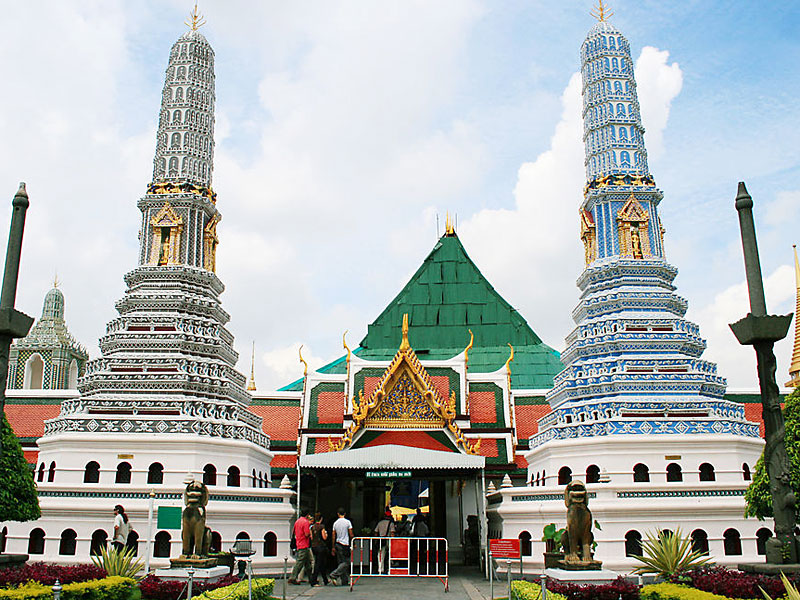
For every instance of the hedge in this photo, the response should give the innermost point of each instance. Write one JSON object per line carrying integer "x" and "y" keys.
{"x": 110, "y": 588}
{"x": 674, "y": 591}
{"x": 262, "y": 590}
{"x": 526, "y": 590}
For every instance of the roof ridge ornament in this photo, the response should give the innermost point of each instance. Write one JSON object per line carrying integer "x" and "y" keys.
{"x": 601, "y": 13}
{"x": 196, "y": 20}
{"x": 302, "y": 360}
{"x": 404, "y": 345}
{"x": 449, "y": 226}
{"x": 251, "y": 385}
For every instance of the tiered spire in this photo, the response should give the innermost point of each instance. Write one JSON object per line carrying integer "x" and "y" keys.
{"x": 632, "y": 351}
{"x": 168, "y": 363}
{"x": 794, "y": 368}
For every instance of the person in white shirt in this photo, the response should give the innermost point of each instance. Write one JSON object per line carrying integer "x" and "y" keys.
{"x": 342, "y": 534}
{"x": 121, "y": 528}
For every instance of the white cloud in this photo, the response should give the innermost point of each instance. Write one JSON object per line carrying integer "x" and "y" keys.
{"x": 658, "y": 84}
{"x": 735, "y": 362}
{"x": 283, "y": 364}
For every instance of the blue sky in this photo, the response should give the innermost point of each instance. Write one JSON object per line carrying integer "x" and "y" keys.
{"x": 344, "y": 128}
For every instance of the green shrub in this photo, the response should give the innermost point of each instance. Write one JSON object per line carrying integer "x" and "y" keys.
{"x": 527, "y": 590}
{"x": 674, "y": 591}
{"x": 667, "y": 554}
{"x": 18, "y": 499}
{"x": 791, "y": 591}
{"x": 262, "y": 590}
{"x": 115, "y": 562}
{"x": 110, "y": 588}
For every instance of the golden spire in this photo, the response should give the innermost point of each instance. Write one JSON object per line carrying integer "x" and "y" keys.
{"x": 196, "y": 20}
{"x": 510, "y": 359}
{"x": 344, "y": 344}
{"x": 601, "y": 13}
{"x": 251, "y": 385}
{"x": 302, "y": 360}
{"x": 469, "y": 347}
{"x": 794, "y": 369}
{"x": 449, "y": 228}
{"x": 404, "y": 345}
{"x": 55, "y": 280}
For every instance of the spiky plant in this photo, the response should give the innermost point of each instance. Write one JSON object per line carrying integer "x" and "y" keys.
{"x": 124, "y": 564}
{"x": 791, "y": 591}
{"x": 667, "y": 554}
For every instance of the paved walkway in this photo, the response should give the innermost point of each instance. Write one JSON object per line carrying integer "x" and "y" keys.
{"x": 465, "y": 584}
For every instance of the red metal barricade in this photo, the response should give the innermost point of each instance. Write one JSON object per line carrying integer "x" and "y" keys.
{"x": 399, "y": 557}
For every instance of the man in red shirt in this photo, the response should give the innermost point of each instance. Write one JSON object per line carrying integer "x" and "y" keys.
{"x": 302, "y": 536}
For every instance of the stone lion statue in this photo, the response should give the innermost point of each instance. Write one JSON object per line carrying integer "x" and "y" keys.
{"x": 195, "y": 535}
{"x": 577, "y": 538}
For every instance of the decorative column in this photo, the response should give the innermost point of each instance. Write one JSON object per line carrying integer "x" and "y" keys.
{"x": 13, "y": 324}
{"x": 760, "y": 330}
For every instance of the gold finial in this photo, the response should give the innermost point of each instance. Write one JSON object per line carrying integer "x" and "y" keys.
{"x": 469, "y": 347}
{"x": 302, "y": 360}
{"x": 196, "y": 20}
{"x": 510, "y": 359}
{"x": 251, "y": 385}
{"x": 794, "y": 369}
{"x": 601, "y": 13}
{"x": 404, "y": 345}
{"x": 344, "y": 343}
{"x": 55, "y": 280}
{"x": 449, "y": 228}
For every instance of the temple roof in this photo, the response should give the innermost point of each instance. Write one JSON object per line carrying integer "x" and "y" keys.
{"x": 444, "y": 299}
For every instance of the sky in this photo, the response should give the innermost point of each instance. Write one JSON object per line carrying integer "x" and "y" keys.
{"x": 346, "y": 130}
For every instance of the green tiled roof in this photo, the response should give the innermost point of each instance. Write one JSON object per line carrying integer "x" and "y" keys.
{"x": 445, "y": 298}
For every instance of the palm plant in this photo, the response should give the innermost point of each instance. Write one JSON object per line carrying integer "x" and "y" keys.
{"x": 124, "y": 563}
{"x": 667, "y": 554}
{"x": 791, "y": 591}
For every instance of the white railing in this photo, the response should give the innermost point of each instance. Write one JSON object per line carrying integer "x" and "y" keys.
{"x": 399, "y": 557}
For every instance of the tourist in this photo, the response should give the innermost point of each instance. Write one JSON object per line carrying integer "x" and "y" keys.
{"x": 384, "y": 529}
{"x": 420, "y": 527}
{"x": 302, "y": 536}
{"x": 342, "y": 534}
{"x": 319, "y": 546}
{"x": 121, "y": 528}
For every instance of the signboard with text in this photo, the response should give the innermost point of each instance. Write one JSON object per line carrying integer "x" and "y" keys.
{"x": 502, "y": 548}
{"x": 387, "y": 474}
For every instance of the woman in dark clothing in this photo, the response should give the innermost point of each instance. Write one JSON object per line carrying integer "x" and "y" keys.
{"x": 319, "y": 546}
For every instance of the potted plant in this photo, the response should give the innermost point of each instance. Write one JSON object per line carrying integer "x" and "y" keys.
{"x": 551, "y": 536}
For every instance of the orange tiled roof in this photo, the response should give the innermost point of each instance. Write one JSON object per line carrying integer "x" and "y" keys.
{"x": 284, "y": 461}
{"x": 280, "y": 422}
{"x": 526, "y": 418}
{"x": 27, "y": 420}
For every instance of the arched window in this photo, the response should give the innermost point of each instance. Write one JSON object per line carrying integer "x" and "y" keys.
{"x": 123, "y": 473}
{"x": 745, "y": 472}
{"x": 625, "y": 158}
{"x": 179, "y": 94}
{"x": 72, "y": 378}
{"x": 700, "y": 541}
{"x": 210, "y": 475}
{"x": 91, "y": 473}
{"x": 51, "y": 472}
{"x": 762, "y": 535}
{"x": 40, "y": 477}
{"x": 36, "y": 541}
{"x": 216, "y": 542}
{"x": 544, "y": 477}
{"x": 176, "y": 138}
{"x": 633, "y": 543}
{"x": 732, "y": 542}
{"x": 564, "y": 475}
{"x": 3, "y": 539}
{"x": 155, "y": 474}
{"x": 242, "y": 535}
{"x": 67, "y": 545}
{"x": 621, "y": 109}
{"x": 641, "y": 473}
{"x": 255, "y": 480}
{"x": 623, "y": 134}
{"x": 162, "y": 545}
{"x": 614, "y": 64}
{"x": 618, "y": 86}
{"x": 707, "y": 472}
{"x": 674, "y": 472}
{"x": 525, "y": 546}
{"x": 176, "y": 118}
{"x": 99, "y": 541}
{"x": 270, "y": 544}
{"x": 34, "y": 373}
{"x": 233, "y": 476}
{"x": 173, "y": 166}
{"x": 133, "y": 542}
{"x": 592, "y": 474}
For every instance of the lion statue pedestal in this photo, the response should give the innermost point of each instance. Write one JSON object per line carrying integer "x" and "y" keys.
{"x": 577, "y": 538}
